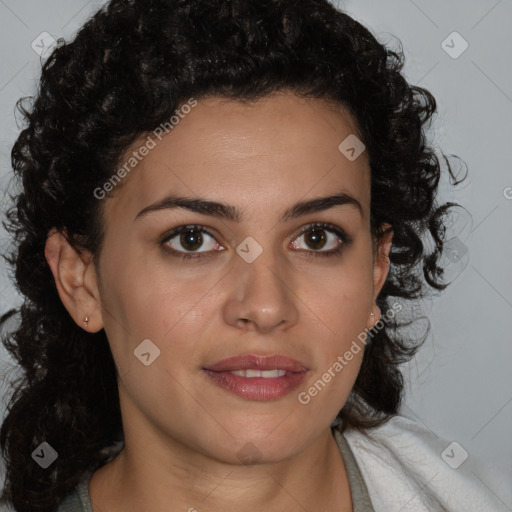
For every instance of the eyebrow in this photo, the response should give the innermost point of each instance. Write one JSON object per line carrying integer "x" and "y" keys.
{"x": 229, "y": 212}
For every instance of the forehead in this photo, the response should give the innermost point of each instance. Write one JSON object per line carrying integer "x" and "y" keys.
{"x": 263, "y": 155}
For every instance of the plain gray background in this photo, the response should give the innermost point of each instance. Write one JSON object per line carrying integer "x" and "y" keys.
{"x": 460, "y": 384}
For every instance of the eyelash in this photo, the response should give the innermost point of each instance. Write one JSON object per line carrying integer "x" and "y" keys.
{"x": 340, "y": 233}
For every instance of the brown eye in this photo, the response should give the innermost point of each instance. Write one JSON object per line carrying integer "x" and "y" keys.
{"x": 315, "y": 238}
{"x": 189, "y": 239}
{"x": 319, "y": 236}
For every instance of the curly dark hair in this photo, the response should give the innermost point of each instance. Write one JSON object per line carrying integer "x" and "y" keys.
{"x": 127, "y": 70}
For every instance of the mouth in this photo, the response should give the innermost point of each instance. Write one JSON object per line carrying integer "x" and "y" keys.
{"x": 258, "y": 363}
{"x": 258, "y": 378}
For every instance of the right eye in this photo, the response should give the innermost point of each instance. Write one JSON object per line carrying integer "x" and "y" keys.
{"x": 190, "y": 238}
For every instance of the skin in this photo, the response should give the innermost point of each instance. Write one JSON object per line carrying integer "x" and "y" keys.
{"x": 182, "y": 432}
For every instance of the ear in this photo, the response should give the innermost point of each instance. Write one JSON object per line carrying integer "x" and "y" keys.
{"x": 381, "y": 268}
{"x": 75, "y": 279}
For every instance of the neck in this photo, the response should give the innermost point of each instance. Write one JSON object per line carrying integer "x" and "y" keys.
{"x": 146, "y": 478}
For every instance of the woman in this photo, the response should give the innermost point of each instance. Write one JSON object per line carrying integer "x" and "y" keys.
{"x": 222, "y": 214}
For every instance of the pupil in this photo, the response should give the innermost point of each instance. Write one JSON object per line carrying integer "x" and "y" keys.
{"x": 190, "y": 238}
{"x": 316, "y": 237}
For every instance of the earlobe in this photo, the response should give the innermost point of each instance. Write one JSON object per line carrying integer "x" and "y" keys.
{"x": 382, "y": 263}
{"x": 69, "y": 269}
{"x": 380, "y": 272}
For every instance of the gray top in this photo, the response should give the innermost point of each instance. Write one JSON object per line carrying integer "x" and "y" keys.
{"x": 79, "y": 501}
{"x": 360, "y": 498}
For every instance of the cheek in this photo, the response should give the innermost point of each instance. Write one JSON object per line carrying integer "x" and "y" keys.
{"x": 328, "y": 389}
{"x": 154, "y": 350}
{"x": 340, "y": 306}
{"x": 339, "y": 301}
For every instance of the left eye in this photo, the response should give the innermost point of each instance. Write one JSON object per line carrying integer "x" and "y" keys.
{"x": 191, "y": 239}
{"x": 316, "y": 238}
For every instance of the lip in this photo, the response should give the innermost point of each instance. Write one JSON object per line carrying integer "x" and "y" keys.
{"x": 257, "y": 388}
{"x": 254, "y": 362}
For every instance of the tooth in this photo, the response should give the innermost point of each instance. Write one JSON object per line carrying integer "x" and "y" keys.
{"x": 272, "y": 373}
{"x": 267, "y": 374}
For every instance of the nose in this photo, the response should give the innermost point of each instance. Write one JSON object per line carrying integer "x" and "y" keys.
{"x": 261, "y": 296}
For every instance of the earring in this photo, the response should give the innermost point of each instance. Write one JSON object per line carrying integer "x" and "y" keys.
{"x": 372, "y": 314}
{"x": 86, "y": 321}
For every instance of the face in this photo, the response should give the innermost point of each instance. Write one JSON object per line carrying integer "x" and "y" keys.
{"x": 255, "y": 277}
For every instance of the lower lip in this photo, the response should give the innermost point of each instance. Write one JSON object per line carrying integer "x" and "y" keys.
{"x": 257, "y": 388}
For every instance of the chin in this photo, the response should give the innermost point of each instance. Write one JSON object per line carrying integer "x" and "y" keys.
{"x": 269, "y": 445}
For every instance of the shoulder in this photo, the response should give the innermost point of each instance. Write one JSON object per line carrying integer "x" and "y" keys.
{"x": 407, "y": 467}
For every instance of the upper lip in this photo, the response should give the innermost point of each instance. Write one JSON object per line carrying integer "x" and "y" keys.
{"x": 254, "y": 362}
